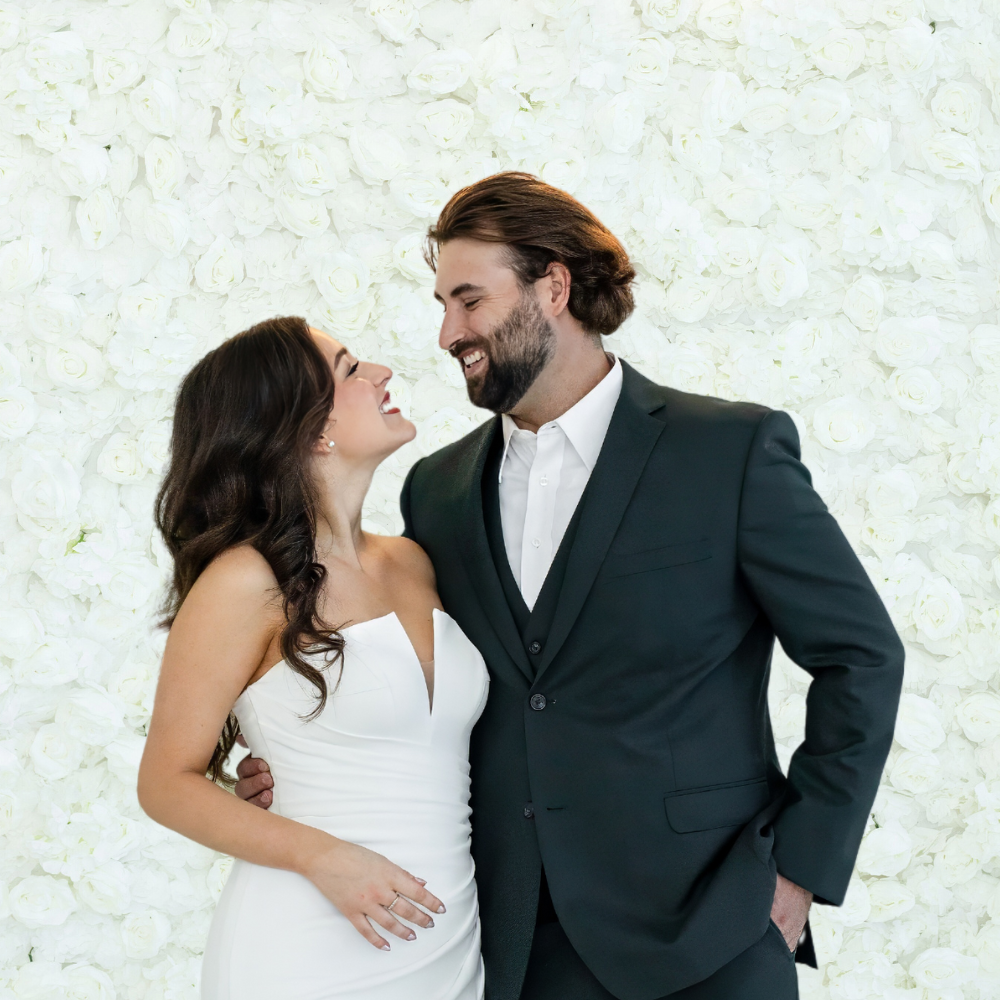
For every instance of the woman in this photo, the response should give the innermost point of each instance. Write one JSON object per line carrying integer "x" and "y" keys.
{"x": 277, "y": 434}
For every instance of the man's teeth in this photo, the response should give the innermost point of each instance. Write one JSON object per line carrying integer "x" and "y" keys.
{"x": 471, "y": 359}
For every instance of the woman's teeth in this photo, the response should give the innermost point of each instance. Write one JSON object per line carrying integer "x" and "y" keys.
{"x": 470, "y": 359}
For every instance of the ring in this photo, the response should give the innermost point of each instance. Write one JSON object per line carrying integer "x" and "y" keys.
{"x": 393, "y": 903}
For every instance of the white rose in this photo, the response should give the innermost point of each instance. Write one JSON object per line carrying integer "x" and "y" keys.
{"x": 864, "y": 301}
{"x": 938, "y": 609}
{"x": 85, "y": 982}
{"x": 304, "y": 215}
{"x": 959, "y": 860}
{"x": 984, "y": 346}
{"x": 820, "y": 107}
{"x": 310, "y": 169}
{"x": 167, "y": 225}
{"x": 125, "y": 753}
{"x": 905, "y": 341}
{"x": 988, "y": 948}
{"x": 865, "y": 144}
{"x": 131, "y": 582}
{"x": 856, "y": 906}
{"x": 341, "y": 278}
{"x": 781, "y": 274}
{"x": 143, "y": 308}
{"x": 82, "y": 167}
{"x": 447, "y": 122}
{"x": 719, "y": 19}
{"x": 914, "y": 389}
{"x": 10, "y": 369}
{"x": 220, "y": 267}
{"x": 744, "y": 199}
{"x": 115, "y": 71}
{"x": 54, "y": 754}
{"x": 648, "y": 59}
{"x": 378, "y": 154}
{"x": 21, "y": 632}
{"x": 910, "y": 49}
{"x": 119, "y": 460}
{"x": 407, "y": 255}
{"x": 156, "y": 106}
{"x": 441, "y": 72}
{"x": 806, "y": 203}
{"x": 666, "y": 15}
{"x": 991, "y": 195}
{"x": 59, "y": 57}
{"x": 979, "y": 716}
{"x": 423, "y": 197}
{"x": 619, "y": 121}
{"x": 933, "y": 256}
{"x": 41, "y": 901}
{"x": 889, "y": 899}
{"x": 144, "y": 934}
{"x": 395, "y": 19}
{"x": 46, "y": 486}
{"x": 886, "y": 535}
{"x": 326, "y": 71}
{"x": 164, "y": 166}
{"x": 942, "y": 968}
{"x": 55, "y": 316}
{"x": 843, "y": 424}
{"x": 105, "y": 889}
{"x": 916, "y": 773}
{"x": 53, "y": 664}
{"x": 444, "y": 427}
{"x": 90, "y": 716}
{"x": 22, "y": 264}
{"x": 345, "y": 322}
{"x": 953, "y": 156}
{"x": 696, "y": 149}
{"x": 956, "y": 105}
{"x": 689, "y": 297}
{"x": 885, "y": 850}
{"x": 192, "y": 34}
{"x": 98, "y": 219}
{"x": 891, "y": 493}
{"x": 75, "y": 365}
{"x": 18, "y": 412}
{"x": 766, "y": 110}
{"x": 723, "y": 102}
{"x": 738, "y": 249}
{"x": 839, "y": 52}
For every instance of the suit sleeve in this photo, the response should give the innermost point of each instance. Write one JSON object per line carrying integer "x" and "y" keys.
{"x": 833, "y": 624}
{"x": 405, "y": 503}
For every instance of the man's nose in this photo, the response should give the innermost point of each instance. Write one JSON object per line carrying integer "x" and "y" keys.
{"x": 451, "y": 332}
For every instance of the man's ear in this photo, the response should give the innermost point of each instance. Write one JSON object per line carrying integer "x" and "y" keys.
{"x": 559, "y": 281}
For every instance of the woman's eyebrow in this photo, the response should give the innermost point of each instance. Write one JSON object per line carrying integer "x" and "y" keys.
{"x": 339, "y": 355}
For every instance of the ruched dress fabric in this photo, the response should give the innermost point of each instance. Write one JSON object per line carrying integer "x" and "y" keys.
{"x": 381, "y": 766}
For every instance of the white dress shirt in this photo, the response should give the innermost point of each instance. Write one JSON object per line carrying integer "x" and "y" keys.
{"x": 542, "y": 477}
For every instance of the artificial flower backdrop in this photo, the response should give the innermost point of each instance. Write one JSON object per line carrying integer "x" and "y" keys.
{"x": 811, "y": 193}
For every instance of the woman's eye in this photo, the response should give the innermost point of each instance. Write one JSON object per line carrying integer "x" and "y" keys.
{"x": 354, "y": 368}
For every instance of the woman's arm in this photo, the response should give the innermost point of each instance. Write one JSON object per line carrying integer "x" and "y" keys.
{"x": 221, "y": 634}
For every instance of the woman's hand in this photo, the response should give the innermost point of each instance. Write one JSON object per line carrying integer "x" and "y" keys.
{"x": 363, "y": 885}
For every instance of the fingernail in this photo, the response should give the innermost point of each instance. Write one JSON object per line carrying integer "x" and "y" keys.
{"x": 422, "y": 881}
{"x": 440, "y": 909}
{"x": 430, "y": 923}
{"x": 411, "y": 936}
{"x": 268, "y": 781}
{"x": 263, "y": 766}
{"x": 385, "y": 947}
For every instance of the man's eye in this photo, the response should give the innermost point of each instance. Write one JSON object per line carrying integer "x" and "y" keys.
{"x": 471, "y": 303}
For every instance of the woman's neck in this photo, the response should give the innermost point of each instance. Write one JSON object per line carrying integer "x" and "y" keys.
{"x": 340, "y": 500}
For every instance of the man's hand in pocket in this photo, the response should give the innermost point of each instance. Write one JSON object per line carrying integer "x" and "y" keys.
{"x": 789, "y": 910}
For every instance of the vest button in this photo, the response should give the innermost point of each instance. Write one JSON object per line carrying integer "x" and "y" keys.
{"x": 529, "y": 811}
{"x": 538, "y": 702}
{"x": 535, "y": 647}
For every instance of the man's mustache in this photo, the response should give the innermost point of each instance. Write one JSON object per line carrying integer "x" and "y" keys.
{"x": 456, "y": 350}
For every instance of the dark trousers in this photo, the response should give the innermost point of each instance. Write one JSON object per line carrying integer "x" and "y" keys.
{"x": 765, "y": 971}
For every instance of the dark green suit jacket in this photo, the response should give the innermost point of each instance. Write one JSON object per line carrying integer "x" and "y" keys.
{"x": 647, "y": 781}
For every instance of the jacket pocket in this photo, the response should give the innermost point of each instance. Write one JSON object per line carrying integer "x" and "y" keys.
{"x": 691, "y": 810}
{"x": 645, "y": 560}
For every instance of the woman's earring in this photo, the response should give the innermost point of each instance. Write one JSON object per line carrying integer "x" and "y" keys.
{"x": 330, "y": 443}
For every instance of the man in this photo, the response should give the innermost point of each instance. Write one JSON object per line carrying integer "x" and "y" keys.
{"x": 623, "y": 555}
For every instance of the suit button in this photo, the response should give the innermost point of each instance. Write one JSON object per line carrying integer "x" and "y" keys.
{"x": 538, "y": 702}
{"x": 529, "y": 811}
{"x": 535, "y": 647}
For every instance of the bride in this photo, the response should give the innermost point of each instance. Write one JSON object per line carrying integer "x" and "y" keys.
{"x": 327, "y": 648}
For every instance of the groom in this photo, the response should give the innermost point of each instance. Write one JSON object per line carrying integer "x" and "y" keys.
{"x": 623, "y": 555}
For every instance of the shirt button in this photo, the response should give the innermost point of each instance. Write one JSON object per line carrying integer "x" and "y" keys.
{"x": 529, "y": 811}
{"x": 538, "y": 702}
{"x": 544, "y": 481}
{"x": 535, "y": 647}
{"x": 536, "y": 542}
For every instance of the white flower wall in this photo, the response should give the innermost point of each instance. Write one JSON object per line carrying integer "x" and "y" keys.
{"x": 811, "y": 194}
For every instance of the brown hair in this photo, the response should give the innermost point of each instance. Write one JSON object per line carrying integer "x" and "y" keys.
{"x": 541, "y": 224}
{"x": 245, "y": 420}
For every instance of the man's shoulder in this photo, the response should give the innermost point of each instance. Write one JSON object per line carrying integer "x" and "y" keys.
{"x": 459, "y": 453}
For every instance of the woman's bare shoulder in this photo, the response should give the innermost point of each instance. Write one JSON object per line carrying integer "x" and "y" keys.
{"x": 239, "y": 572}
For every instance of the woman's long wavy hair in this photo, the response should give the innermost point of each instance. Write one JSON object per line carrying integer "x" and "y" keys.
{"x": 246, "y": 418}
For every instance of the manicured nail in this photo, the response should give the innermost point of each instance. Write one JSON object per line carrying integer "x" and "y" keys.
{"x": 422, "y": 881}
{"x": 411, "y": 936}
{"x": 385, "y": 947}
{"x": 440, "y": 909}
{"x": 430, "y": 923}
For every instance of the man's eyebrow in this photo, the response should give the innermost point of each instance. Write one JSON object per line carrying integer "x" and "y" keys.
{"x": 461, "y": 290}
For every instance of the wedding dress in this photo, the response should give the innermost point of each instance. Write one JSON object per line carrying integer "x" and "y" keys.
{"x": 383, "y": 766}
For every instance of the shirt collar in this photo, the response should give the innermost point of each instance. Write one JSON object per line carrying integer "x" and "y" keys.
{"x": 585, "y": 423}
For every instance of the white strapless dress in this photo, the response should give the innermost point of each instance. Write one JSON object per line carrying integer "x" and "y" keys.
{"x": 378, "y": 767}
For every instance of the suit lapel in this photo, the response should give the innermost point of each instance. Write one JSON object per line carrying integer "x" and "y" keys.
{"x": 476, "y": 553}
{"x": 631, "y": 436}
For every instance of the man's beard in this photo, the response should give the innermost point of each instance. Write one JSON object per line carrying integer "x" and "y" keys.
{"x": 517, "y": 349}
